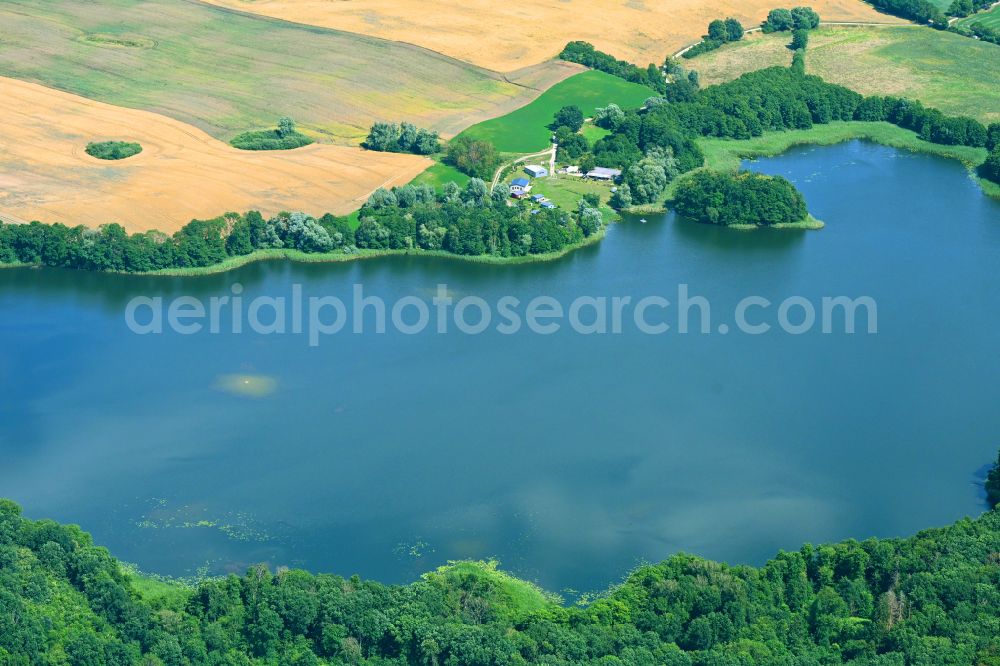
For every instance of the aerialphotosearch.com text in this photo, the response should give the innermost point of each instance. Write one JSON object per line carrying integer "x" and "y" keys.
{"x": 319, "y": 317}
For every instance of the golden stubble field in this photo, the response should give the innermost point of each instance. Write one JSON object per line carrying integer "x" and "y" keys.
{"x": 182, "y": 172}
{"x": 506, "y": 36}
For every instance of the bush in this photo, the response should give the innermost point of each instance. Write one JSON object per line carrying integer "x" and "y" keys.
{"x": 800, "y": 39}
{"x": 743, "y": 198}
{"x": 799, "y": 18}
{"x": 284, "y": 137}
{"x": 113, "y": 150}
{"x": 719, "y": 32}
{"x": 778, "y": 20}
{"x": 474, "y": 157}
{"x": 569, "y": 116}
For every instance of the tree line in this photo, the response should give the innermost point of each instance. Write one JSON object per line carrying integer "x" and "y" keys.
{"x": 977, "y": 30}
{"x": 469, "y": 221}
{"x": 928, "y": 13}
{"x": 584, "y": 53}
{"x": 933, "y": 598}
{"x": 720, "y": 31}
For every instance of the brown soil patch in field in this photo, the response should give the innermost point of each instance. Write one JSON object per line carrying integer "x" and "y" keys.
{"x": 506, "y": 36}
{"x": 181, "y": 173}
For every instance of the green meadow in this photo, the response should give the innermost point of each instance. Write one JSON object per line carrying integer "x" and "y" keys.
{"x": 525, "y": 130}
{"x": 226, "y": 72}
{"x": 990, "y": 19}
{"x": 958, "y": 75}
{"x": 439, "y": 174}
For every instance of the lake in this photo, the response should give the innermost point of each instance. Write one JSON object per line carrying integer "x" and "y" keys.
{"x": 569, "y": 457}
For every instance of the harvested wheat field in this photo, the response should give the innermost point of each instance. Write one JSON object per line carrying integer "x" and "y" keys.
{"x": 181, "y": 173}
{"x": 227, "y": 72}
{"x": 506, "y": 36}
{"x": 953, "y": 73}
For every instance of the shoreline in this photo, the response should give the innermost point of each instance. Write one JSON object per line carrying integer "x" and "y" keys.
{"x": 727, "y": 154}
{"x": 298, "y": 256}
{"x": 720, "y": 155}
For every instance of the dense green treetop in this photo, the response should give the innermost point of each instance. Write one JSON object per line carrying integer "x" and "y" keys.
{"x": 931, "y": 599}
{"x": 113, "y": 150}
{"x": 742, "y": 199}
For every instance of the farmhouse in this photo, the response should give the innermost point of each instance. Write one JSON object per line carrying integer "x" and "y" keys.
{"x": 602, "y": 173}
{"x": 519, "y": 187}
{"x": 536, "y": 171}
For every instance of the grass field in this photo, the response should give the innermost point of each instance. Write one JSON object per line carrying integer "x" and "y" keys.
{"x": 181, "y": 173}
{"x": 525, "y": 131}
{"x": 506, "y": 36}
{"x": 990, "y": 19}
{"x": 566, "y": 191}
{"x": 226, "y": 72}
{"x": 438, "y": 175}
{"x": 593, "y": 132}
{"x": 953, "y": 73}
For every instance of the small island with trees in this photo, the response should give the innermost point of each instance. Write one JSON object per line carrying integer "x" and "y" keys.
{"x": 113, "y": 150}
{"x": 742, "y": 200}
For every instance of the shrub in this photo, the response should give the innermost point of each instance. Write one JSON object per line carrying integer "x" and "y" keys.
{"x": 800, "y": 39}
{"x": 283, "y": 137}
{"x": 569, "y": 116}
{"x": 474, "y": 157}
{"x": 113, "y": 150}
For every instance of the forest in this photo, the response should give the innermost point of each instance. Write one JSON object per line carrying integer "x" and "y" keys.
{"x": 931, "y": 599}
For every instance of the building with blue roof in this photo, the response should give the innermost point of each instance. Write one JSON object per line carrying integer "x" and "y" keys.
{"x": 519, "y": 187}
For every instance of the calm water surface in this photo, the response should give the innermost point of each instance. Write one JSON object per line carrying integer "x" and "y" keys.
{"x": 570, "y": 458}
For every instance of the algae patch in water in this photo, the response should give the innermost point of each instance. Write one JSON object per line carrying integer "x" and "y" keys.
{"x": 249, "y": 386}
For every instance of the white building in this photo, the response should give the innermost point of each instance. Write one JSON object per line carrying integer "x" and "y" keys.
{"x": 536, "y": 171}
{"x": 603, "y": 173}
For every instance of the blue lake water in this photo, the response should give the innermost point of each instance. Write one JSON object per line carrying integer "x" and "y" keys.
{"x": 568, "y": 457}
